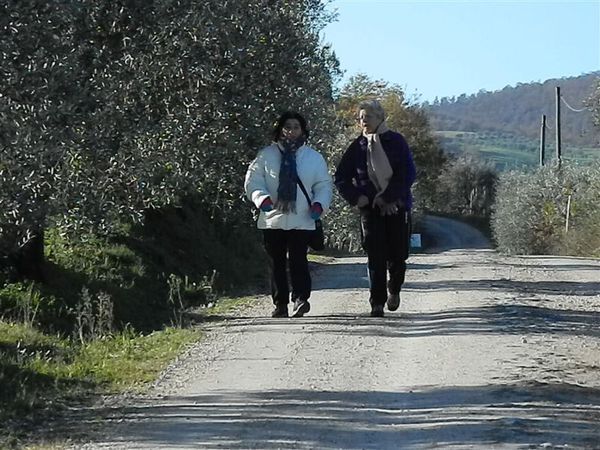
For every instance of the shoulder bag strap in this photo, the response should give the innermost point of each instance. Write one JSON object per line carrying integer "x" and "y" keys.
{"x": 304, "y": 191}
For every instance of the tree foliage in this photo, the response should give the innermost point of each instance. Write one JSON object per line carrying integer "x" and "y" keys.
{"x": 466, "y": 186}
{"x": 530, "y": 215}
{"x": 593, "y": 102}
{"x": 111, "y": 108}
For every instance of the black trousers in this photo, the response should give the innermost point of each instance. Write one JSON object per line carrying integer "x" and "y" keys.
{"x": 280, "y": 244}
{"x": 386, "y": 239}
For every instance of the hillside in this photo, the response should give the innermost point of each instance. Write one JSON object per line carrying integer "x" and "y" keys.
{"x": 504, "y": 125}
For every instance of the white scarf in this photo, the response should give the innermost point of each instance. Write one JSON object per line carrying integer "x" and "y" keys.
{"x": 378, "y": 165}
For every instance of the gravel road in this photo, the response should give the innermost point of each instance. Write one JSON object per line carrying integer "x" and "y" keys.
{"x": 486, "y": 351}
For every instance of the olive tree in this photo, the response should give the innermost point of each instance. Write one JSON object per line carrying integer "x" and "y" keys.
{"x": 467, "y": 186}
{"x": 593, "y": 103}
{"x": 37, "y": 80}
{"x": 109, "y": 109}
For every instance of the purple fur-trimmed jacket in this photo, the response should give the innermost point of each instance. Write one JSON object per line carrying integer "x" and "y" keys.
{"x": 352, "y": 180}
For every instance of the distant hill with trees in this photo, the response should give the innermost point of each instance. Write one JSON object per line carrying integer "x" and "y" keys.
{"x": 518, "y": 110}
{"x": 513, "y": 115}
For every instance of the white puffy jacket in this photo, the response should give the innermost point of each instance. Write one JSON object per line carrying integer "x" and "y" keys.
{"x": 262, "y": 181}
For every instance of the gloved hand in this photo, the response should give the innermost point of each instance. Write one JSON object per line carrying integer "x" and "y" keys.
{"x": 315, "y": 211}
{"x": 362, "y": 201}
{"x": 266, "y": 205}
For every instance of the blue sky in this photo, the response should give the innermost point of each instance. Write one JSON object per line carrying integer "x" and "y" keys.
{"x": 447, "y": 48}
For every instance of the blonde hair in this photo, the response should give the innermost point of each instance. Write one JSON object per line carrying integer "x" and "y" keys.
{"x": 373, "y": 106}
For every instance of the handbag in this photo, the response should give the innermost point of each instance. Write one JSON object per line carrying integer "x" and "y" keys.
{"x": 317, "y": 237}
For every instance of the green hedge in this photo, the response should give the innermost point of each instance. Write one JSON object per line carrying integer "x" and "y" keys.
{"x": 530, "y": 215}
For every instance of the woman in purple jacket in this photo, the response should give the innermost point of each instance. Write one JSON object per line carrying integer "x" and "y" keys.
{"x": 375, "y": 174}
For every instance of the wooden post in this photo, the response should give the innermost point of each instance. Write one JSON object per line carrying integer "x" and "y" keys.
{"x": 542, "y": 140}
{"x": 568, "y": 214}
{"x": 558, "y": 149}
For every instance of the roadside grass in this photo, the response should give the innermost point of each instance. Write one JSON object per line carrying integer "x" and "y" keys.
{"x": 112, "y": 313}
{"x": 319, "y": 258}
{"x": 127, "y": 361}
{"x": 227, "y": 304}
{"x": 42, "y": 375}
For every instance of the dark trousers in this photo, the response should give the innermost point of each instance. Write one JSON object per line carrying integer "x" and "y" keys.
{"x": 386, "y": 239}
{"x": 279, "y": 244}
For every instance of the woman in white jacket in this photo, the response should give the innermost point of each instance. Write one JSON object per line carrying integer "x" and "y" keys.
{"x": 286, "y": 217}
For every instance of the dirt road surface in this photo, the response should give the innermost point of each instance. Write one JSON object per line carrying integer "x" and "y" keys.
{"x": 485, "y": 352}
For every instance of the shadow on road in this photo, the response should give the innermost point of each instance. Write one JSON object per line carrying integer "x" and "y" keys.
{"x": 352, "y": 275}
{"x": 498, "y": 319}
{"x": 478, "y": 416}
{"x": 505, "y": 319}
{"x": 513, "y": 286}
{"x": 545, "y": 263}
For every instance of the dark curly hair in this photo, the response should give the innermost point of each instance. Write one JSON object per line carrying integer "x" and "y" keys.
{"x": 278, "y": 127}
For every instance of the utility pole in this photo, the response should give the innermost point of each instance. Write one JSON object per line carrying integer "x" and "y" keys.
{"x": 542, "y": 140}
{"x": 558, "y": 155}
{"x": 568, "y": 214}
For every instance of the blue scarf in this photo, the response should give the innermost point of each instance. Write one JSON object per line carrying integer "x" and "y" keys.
{"x": 288, "y": 175}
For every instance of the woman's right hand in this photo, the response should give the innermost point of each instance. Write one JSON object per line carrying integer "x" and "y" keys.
{"x": 266, "y": 205}
{"x": 385, "y": 208}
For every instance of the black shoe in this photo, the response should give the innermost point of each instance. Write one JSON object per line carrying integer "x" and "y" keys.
{"x": 280, "y": 311}
{"x": 376, "y": 310}
{"x": 393, "y": 302}
{"x": 301, "y": 307}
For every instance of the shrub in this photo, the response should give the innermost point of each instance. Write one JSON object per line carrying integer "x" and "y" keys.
{"x": 530, "y": 215}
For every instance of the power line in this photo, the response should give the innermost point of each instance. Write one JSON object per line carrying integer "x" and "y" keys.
{"x": 570, "y": 107}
